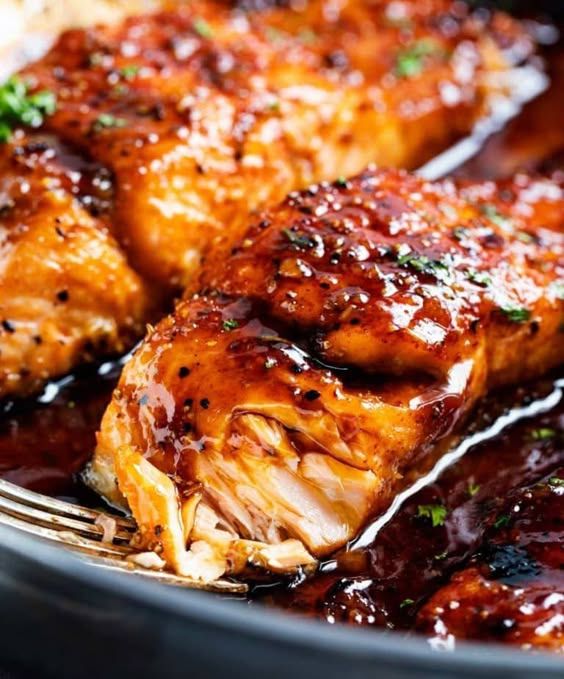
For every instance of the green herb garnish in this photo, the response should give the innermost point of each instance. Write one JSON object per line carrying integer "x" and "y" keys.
{"x": 480, "y": 278}
{"x": 555, "y": 481}
{"x": 202, "y": 28}
{"x": 18, "y": 107}
{"x": 107, "y": 121}
{"x": 543, "y": 434}
{"x": 501, "y": 521}
{"x": 230, "y": 324}
{"x": 437, "y": 514}
{"x": 492, "y": 213}
{"x": 515, "y": 314}
{"x": 473, "y": 488}
{"x": 424, "y": 264}
{"x": 129, "y": 72}
{"x": 407, "y": 602}
{"x": 411, "y": 61}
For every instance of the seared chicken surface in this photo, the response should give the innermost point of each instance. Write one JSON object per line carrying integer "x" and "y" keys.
{"x": 198, "y": 115}
{"x": 209, "y": 111}
{"x": 67, "y": 293}
{"x": 351, "y": 330}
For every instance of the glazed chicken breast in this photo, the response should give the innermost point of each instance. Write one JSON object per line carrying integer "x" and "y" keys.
{"x": 67, "y": 293}
{"x": 196, "y": 116}
{"x": 211, "y": 110}
{"x": 345, "y": 339}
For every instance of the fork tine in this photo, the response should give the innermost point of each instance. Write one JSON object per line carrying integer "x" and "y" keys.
{"x": 74, "y": 528}
{"x": 112, "y": 557}
{"x": 221, "y": 586}
{"x": 42, "y": 502}
{"x": 67, "y": 538}
{"x": 57, "y": 521}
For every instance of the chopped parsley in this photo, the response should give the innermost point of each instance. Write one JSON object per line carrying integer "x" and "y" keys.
{"x": 543, "y": 434}
{"x": 473, "y": 488}
{"x": 202, "y": 28}
{"x": 555, "y": 481}
{"x": 18, "y": 107}
{"x": 411, "y": 61}
{"x": 480, "y": 278}
{"x": 107, "y": 121}
{"x": 493, "y": 214}
{"x": 501, "y": 521}
{"x": 230, "y": 324}
{"x": 436, "y": 513}
{"x": 424, "y": 264}
{"x": 407, "y": 602}
{"x": 515, "y": 314}
{"x": 525, "y": 237}
{"x": 129, "y": 72}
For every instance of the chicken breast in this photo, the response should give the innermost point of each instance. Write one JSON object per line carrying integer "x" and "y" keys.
{"x": 209, "y": 111}
{"x": 67, "y": 292}
{"x": 274, "y": 413}
{"x": 513, "y": 590}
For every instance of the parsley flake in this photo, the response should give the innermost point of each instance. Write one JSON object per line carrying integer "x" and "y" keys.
{"x": 18, "y": 107}
{"x": 407, "y": 602}
{"x": 543, "y": 434}
{"x": 515, "y": 314}
{"x": 411, "y": 61}
{"x": 423, "y": 264}
{"x": 480, "y": 278}
{"x": 555, "y": 481}
{"x": 129, "y": 72}
{"x": 107, "y": 121}
{"x": 436, "y": 513}
{"x": 493, "y": 214}
{"x": 230, "y": 324}
{"x": 501, "y": 521}
{"x": 473, "y": 488}
{"x": 202, "y": 28}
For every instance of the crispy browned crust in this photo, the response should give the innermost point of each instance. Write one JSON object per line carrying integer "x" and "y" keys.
{"x": 67, "y": 293}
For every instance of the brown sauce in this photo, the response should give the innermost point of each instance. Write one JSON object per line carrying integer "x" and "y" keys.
{"x": 386, "y": 583}
{"x": 393, "y": 580}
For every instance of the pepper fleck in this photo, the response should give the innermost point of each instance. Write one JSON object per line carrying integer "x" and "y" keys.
{"x": 312, "y": 395}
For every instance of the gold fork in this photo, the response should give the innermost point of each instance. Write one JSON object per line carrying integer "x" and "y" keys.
{"x": 99, "y": 538}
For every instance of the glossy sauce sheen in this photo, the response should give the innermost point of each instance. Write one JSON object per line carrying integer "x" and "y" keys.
{"x": 503, "y": 528}
{"x": 402, "y": 580}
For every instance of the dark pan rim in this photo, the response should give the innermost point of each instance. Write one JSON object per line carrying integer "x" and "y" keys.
{"x": 255, "y": 622}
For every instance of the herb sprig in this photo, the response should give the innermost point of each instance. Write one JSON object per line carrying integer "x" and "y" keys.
{"x": 411, "y": 61}
{"x": 436, "y": 513}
